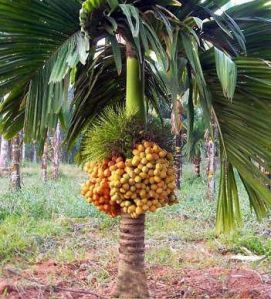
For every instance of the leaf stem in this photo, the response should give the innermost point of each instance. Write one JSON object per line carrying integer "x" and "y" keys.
{"x": 135, "y": 103}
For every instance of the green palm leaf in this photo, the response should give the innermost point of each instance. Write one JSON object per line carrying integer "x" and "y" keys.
{"x": 42, "y": 50}
{"x": 244, "y": 124}
{"x": 253, "y": 18}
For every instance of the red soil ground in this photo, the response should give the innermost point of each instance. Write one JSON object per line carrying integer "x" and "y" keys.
{"x": 52, "y": 280}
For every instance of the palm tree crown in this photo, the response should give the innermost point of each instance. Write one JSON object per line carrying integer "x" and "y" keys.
{"x": 221, "y": 61}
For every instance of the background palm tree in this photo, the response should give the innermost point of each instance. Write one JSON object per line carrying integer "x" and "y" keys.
{"x": 4, "y": 156}
{"x": 15, "y": 169}
{"x": 193, "y": 149}
{"x": 211, "y": 151}
{"x": 177, "y": 130}
{"x": 44, "y": 162}
{"x": 220, "y": 60}
{"x": 56, "y": 142}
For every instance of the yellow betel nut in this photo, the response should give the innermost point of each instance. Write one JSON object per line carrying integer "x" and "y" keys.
{"x": 142, "y": 183}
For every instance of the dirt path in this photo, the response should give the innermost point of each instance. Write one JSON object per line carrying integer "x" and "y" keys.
{"x": 77, "y": 280}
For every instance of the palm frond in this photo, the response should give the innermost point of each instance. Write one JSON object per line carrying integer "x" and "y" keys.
{"x": 210, "y": 11}
{"x": 253, "y": 18}
{"x": 244, "y": 124}
{"x": 29, "y": 57}
{"x": 91, "y": 97}
{"x": 115, "y": 133}
{"x": 226, "y": 72}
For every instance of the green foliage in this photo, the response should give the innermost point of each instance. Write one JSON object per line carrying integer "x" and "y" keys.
{"x": 33, "y": 221}
{"x": 226, "y": 72}
{"x": 244, "y": 138}
{"x": 91, "y": 97}
{"x": 38, "y": 202}
{"x": 23, "y": 235}
{"x": 43, "y": 47}
{"x": 254, "y": 244}
{"x": 194, "y": 145}
{"x": 115, "y": 132}
{"x": 40, "y": 44}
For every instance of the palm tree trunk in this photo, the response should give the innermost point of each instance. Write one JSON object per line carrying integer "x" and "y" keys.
{"x": 131, "y": 280}
{"x": 178, "y": 160}
{"x": 56, "y": 149}
{"x": 210, "y": 145}
{"x": 211, "y": 170}
{"x": 24, "y": 152}
{"x": 176, "y": 128}
{"x": 4, "y": 156}
{"x": 9, "y": 150}
{"x": 34, "y": 157}
{"x": 197, "y": 162}
{"x": 44, "y": 163}
{"x": 15, "y": 175}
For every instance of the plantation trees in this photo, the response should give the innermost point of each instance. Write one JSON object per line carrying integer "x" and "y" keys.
{"x": 113, "y": 52}
{"x": 4, "y": 155}
{"x": 44, "y": 162}
{"x": 193, "y": 149}
{"x": 15, "y": 171}
{"x": 56, "y": 152}
{"x": 210, "y": 145}
{"x": 177, "y": 124}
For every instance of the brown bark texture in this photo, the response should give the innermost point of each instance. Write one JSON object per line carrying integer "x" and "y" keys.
{"x": 197, "y": 161}
{"x": 44, "y": 163}
{"x": 15, "y": 173}
{"x": 4, "y": 156}
{"x": 56, "y": 152}
{"x": 178, "y": 160}
{"x": 176, "y": 128}
{"x": 210, "y": 146}
{"x": 131, "y": 280}
{"x": 35, "y": 156}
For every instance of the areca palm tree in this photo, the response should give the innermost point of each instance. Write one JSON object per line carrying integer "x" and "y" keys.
{"x": 44, "y": 162}
{"x": 15, "y": 172}
{"x": 177, "y": 130}
{"x": 193, "y": 148}
{"x": 4, "y": 156}
{"x": 210, "y": 146}
{"x": 221, "y": 60}
{"x": 56, "y": 151}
